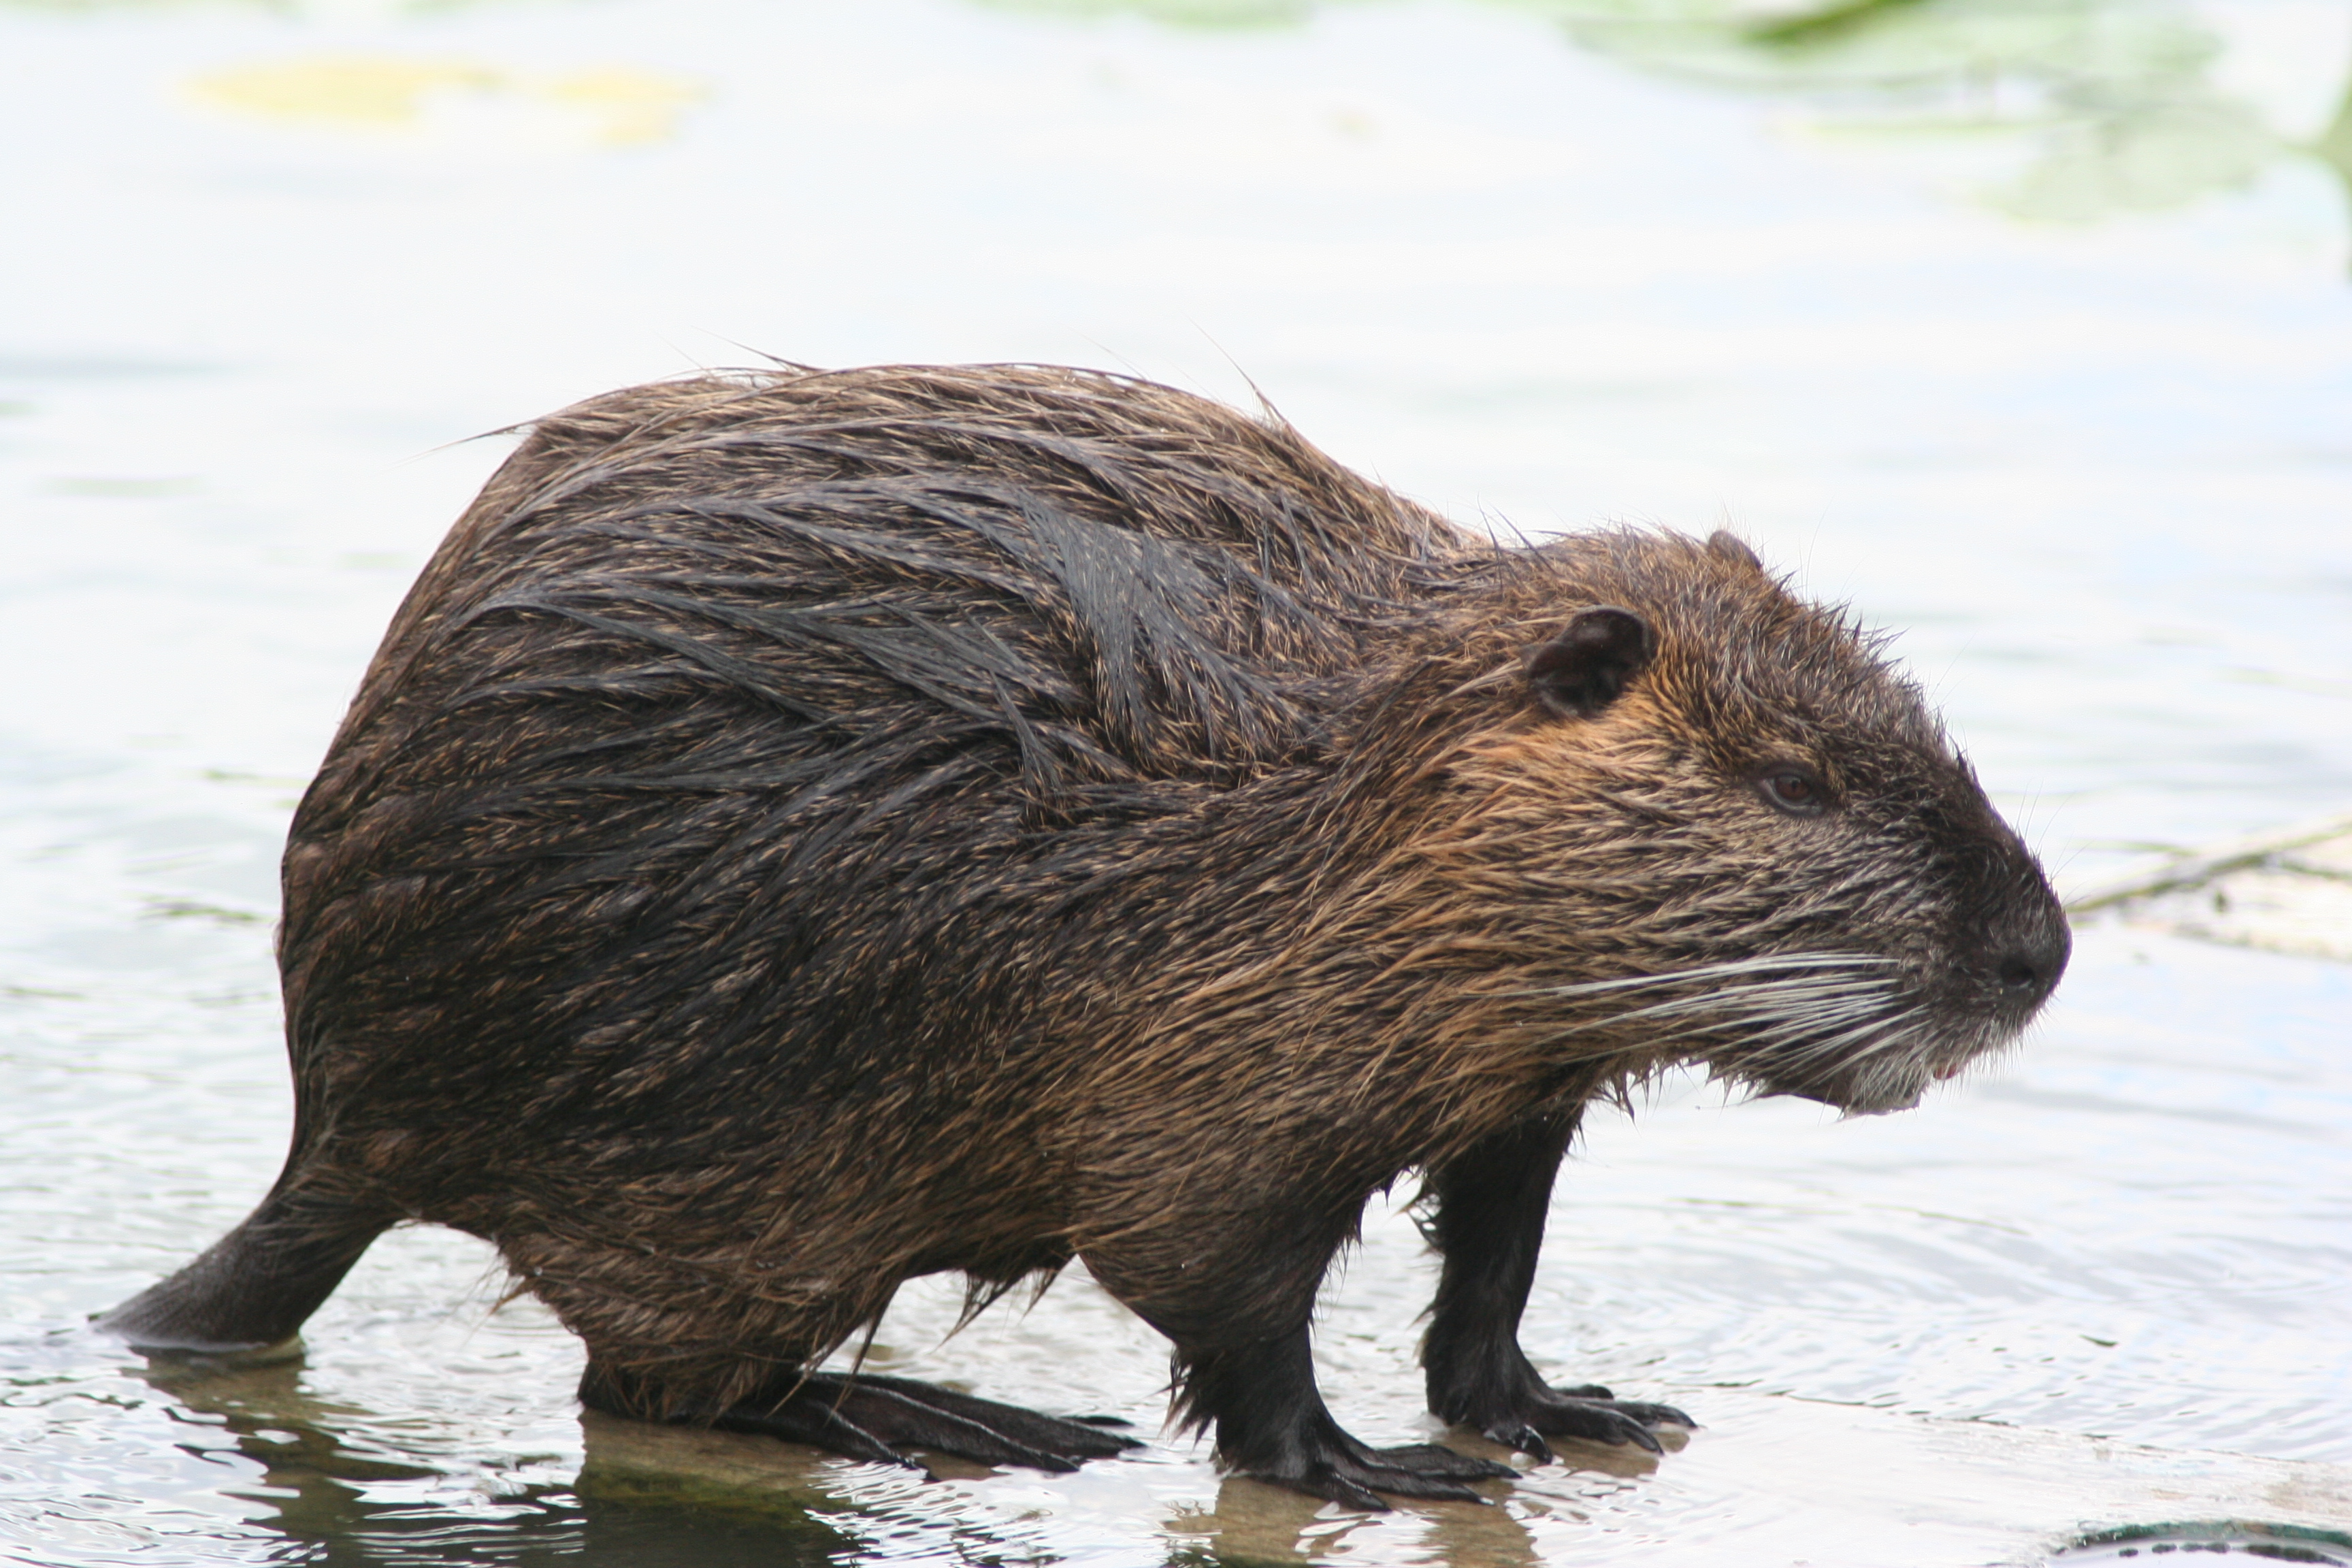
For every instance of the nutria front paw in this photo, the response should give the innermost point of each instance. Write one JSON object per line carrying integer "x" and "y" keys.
{"x": 1590, "y": 1412}
{"x": 1487, "y": 1384}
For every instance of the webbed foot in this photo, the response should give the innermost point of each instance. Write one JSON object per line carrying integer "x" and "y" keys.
{"x": 879, "y": 1418}
{"x": 1335, "y": 1466}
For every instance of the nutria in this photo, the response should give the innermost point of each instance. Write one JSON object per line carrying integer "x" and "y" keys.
{"x": 806, "y": 830}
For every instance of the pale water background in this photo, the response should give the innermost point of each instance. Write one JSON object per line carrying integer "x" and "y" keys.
{"x": 2028, "y": 328}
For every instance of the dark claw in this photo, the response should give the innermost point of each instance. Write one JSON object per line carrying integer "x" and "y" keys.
{"x": 1522, "y": 1438}
{"x": 1498, "y": 1393}
{"x": 1634, "y": 1432}
{"x": 1597, "y": 1421}
{"x": 1656, "y": 1415}
{"x": 1338, "y": 1488}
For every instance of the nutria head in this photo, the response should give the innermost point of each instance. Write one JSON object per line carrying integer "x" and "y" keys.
{"x": 1726, "y": 830}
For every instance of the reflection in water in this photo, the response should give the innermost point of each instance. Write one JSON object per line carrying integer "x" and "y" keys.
{"x": 316, "y": 1484}
{"x": 1252, "y": 1522}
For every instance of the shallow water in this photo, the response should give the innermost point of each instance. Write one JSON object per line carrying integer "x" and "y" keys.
{"x": 2078, "y": 428}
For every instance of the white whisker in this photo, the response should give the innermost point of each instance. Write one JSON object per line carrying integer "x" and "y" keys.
{"x": 1770, "y": 963}
{"x": 1841, "y": 1025}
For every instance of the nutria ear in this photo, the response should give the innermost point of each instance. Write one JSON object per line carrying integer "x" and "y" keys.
{"x": 1582, "y": 670}
{"x": 1732, "y": 548}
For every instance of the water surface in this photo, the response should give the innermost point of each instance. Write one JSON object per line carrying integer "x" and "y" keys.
{"x": 2029, "y": 337}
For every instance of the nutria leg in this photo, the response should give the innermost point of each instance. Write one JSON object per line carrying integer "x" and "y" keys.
{"x": 1272, "y": 1424}
{"x": 255, "y": 1285}
{"x": 870, "y": 1417}
{"x": 1488, "y": 1226}
{"x": 1236, "y": 1296}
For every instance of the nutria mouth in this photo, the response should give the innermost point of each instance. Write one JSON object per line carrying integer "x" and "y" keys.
{"x": 1848, "y": 1029}
{"x": 806, "y": 830}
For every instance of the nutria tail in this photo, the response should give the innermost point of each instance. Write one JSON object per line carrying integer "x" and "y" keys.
{"x": 255, "y": 1286}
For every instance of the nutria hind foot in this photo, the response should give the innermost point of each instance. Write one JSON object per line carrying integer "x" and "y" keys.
{"x": 864, "y": 1417}
{"x": 1331, "y": 1464}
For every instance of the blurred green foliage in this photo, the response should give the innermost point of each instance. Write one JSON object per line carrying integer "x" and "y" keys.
{"x": 2087, "y": 107}
{"x": 2110, "y": 105}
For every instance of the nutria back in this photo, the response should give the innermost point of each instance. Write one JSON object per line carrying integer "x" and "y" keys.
{"x": 806, "y": 830}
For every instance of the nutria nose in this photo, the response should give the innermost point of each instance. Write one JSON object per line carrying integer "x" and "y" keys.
{"x": 2029, "y": 970}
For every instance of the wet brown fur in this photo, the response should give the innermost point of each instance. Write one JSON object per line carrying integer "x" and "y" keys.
{"x": 808, "y": 830}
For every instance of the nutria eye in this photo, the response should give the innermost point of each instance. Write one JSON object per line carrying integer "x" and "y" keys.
{"x": 1794, "y": 790}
